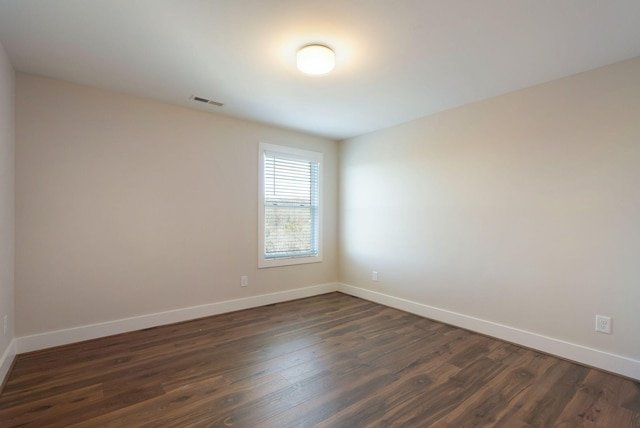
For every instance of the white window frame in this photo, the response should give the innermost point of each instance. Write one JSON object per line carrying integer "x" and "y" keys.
{"x": 294, "y": 154}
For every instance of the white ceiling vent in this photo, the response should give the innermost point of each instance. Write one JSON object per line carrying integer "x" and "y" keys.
{"x": 206, "y": 101}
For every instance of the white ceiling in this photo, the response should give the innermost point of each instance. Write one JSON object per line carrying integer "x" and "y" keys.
{"x": 397, "y": 60}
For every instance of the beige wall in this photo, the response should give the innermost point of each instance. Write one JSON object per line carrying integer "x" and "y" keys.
{"x": 522, "y": 209}
{"x": 126, "y": 207}
{"x": 7, "y": 150}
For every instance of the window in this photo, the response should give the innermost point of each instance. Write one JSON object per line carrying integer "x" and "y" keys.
{"x": 289, "y": 206}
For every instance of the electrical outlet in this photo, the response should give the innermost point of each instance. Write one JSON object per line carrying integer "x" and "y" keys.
{"x": 244, "y": 281}
{"x": 374, "y": 275}
{"x": 603, "y": 324}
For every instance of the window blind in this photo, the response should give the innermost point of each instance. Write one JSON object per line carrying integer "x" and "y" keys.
{"x": 290, "y": 206}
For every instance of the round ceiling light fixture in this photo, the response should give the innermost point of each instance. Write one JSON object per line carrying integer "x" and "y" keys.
{"x": 316, "y": 59}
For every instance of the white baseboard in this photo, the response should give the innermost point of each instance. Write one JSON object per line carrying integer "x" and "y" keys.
{"x": 6, "y": 360}
{"x": 592, "y": 357}
{"x": 77, "y": 334}
{"x": 610, "y": 362}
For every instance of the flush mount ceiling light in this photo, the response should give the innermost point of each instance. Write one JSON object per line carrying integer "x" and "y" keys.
{"x": 316, "y": 59}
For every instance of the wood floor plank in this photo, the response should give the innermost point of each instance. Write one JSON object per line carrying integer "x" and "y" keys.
{"x": 429, "y": 407}
{"x": 595, "y": 403}
{"x": 416, "y": 378}
{"x": 312, "y": 412}
{"x": 53, "y": 409}
{"x": 487, "y": 405}
{"x": 327, "y": 361}
{"x": 190, "y": 405}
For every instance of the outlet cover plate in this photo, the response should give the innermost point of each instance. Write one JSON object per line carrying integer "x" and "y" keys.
{"x": 603, "y": 324}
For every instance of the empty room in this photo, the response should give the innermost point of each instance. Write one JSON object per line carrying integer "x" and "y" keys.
{"x": 346, "y": 213}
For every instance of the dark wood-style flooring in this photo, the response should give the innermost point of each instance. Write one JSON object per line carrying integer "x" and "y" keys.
{"x": 327, "y": 361}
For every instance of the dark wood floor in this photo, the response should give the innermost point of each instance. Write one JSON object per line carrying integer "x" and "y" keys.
{"x": 328, "y": 361}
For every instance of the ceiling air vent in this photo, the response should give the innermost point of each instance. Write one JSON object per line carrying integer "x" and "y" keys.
{"x": 206, "y": 101}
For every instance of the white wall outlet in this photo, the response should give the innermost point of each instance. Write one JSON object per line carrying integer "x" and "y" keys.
{"x": 603, "y": 324}
{"x": 5, "y": 324}
{"x": 374, "y": 275}
{"x": 244, "y": 281}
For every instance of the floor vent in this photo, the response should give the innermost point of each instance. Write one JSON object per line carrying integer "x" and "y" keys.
{"x": 206, "y": 101}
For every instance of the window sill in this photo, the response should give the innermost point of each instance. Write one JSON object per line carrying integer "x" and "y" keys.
{"x": 288, "y": 261}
